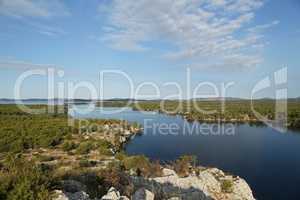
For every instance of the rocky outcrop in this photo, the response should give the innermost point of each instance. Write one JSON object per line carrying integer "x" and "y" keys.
{"x": 71, "y": 190}
{"x": 208, "y": 185}
{"x": 112, "y": 194}
{"x": 60, "y": 195}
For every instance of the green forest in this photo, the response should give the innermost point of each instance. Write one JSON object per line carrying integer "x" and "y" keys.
{"x": 230, "y": 111}
{"x": 39, "y": 151}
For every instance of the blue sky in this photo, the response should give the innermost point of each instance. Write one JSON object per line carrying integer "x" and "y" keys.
{"x": 219, "y": 41}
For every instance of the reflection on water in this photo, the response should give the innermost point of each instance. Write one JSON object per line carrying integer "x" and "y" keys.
{"x": 267, "y": 159}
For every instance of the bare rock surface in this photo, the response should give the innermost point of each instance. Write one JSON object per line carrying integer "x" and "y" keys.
{"x": 206, "y": 186}
{"x": 143, "y": 194}
{"x": 114, "y": 194}
{"x": 60, "y": 195}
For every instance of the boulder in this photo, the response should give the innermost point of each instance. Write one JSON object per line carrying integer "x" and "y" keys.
{"x": 60, "y": 195}
{"x": 78, "y": 196}
{"x": 143, "y": 194}
{"x": 114, "y": 194}
{"x": 72, "y": 186}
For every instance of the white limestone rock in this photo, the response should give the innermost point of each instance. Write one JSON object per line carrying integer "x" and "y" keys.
{"x": 60, "y": 195}
{"x": 206, "y": 186}
{"x": 114, "y": 194}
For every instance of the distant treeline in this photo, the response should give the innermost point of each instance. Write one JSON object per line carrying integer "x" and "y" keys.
{"x": 116, "y": 103}
{"x": 46, "y": 127}
{"x": 211, "y": 111}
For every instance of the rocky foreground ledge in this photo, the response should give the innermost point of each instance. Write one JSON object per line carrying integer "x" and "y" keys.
{"x": 209, "y": 184}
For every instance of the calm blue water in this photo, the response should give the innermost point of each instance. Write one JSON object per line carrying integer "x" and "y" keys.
{"x": 268, "y": 160}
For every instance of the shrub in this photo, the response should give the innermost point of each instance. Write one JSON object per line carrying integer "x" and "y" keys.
{"x": 141, "y": 165}
{"x": 24, "y": 180}
{"x": 113, "y": 176}
{"x": 68, "y": 146}
{"x": 136, "y": 125}
{"x": 91, "y": 180}
{"x": 136, "y": 162}
{"x": 105, "y": 151}
{"x": 120, "y": 155}
{"x": 183, "y": 164}
{"x": 226, "y": 186}
{"x": 85, "y": 147}
{"x": 45, "y": 158}
{"x": 104, "y": 147}
{"x": 155, "y": 169}
{"x": 87, "y": 163}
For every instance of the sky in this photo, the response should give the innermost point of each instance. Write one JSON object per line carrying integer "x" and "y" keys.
{"x": 148, "y": 48}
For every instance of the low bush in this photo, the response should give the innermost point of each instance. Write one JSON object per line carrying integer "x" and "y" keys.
{"x": 120, "y": 155}
{"x": 20, "y": 179}
{"x": 85, "y": 147}
{"x": 227, "y": 186}
{"x": 183, "y": 164}
{"x": 93, "y": 182}
{"x": 114, "y": 176}
{"x": 68, "y": 146}
{"x": 87, "y": 163}
{"x": 141, "y": 165}
{"x": 104, "y": 147}
{"x": 45, "y": 158}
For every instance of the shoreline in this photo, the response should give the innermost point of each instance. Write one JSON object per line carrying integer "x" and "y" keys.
{"x": 86, "y": 162}
{"x": 218, "y": 120}
{"x": 187, "y": 180}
